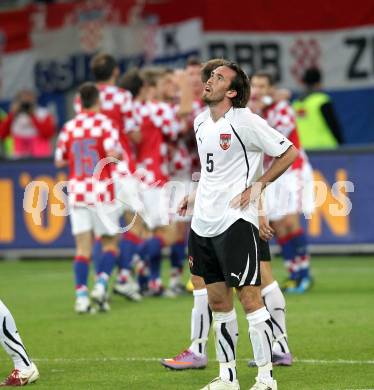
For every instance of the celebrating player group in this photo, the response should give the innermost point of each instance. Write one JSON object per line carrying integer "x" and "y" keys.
{"x": 158, "y": 155}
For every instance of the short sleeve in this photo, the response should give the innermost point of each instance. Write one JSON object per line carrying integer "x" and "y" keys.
{"x": 61, "y": 146}
{"x": 258, "y": 136}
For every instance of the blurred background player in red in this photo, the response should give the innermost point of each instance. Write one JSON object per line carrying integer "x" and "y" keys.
{"x": 160, "y": 126}
{"x": 292, "y": 195}
{"x": 83, "y": 142}
{"x": 25, "y": 371}
{"x": 30, "y": 127}
{"x": 117, "y": 104}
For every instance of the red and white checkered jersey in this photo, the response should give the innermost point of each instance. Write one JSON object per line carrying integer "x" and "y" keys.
{"x": 180, "y": 159}
{"x": 83, "y": 142}
{"x": 117, "y": 104}
{"x": 198, "y": 106}
{"x": 157, "y": 128}
{"x": 280, "y": 116}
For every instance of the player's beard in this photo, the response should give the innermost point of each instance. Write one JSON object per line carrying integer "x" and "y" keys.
{"x": 212, "y": 100}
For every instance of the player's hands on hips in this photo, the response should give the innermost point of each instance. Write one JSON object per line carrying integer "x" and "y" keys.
{"x": 250, "y": 195}
{"x": 265, "y": 230}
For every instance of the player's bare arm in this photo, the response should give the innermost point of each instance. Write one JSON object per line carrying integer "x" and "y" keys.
{"x": 266, "y": 232}
{"x": 278, "y": 167}
{"x": 186, "y": 95}
{"x": 186, "y": 205}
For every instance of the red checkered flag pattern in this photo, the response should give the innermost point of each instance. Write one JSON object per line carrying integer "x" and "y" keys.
{"x": 82, "y": 143}
{"x": 156, "y": 122}
{"x": 307, "y": 54}
{"x": 281, "y": 117}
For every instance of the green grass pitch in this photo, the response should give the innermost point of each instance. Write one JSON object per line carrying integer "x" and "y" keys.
{"x": 331, "y": 332}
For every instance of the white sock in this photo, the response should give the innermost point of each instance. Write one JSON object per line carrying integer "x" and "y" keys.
{"x": 226, "y": 338}
{"x": 201, "y": 319}
{"x": 261, "y": 335}
{"x": 11, "y": 340}
{"x": 175, "y": 277}
{"x": 276, "y": 305}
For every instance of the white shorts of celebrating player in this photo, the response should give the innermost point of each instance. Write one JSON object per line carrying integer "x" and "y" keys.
{"x": 161, "y": 203}
{"x": 291, "y": 193}
{"x": 103, "y": 219}
{"x": 156, "y": 207}
{"x": 127, "y": 189}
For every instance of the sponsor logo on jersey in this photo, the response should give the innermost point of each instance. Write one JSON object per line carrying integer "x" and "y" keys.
{"x": 225, "y": 141}
{"x": 190, "y": 261}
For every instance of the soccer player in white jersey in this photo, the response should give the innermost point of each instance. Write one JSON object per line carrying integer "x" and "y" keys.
{"x": 223, "y": 242}
{"x": 25, "y": 371}
{"x": 195, "y": 356}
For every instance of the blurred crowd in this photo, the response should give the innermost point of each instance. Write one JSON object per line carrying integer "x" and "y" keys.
{"x": 29, "y": 130}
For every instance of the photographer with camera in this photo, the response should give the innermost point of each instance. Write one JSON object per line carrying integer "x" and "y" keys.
{"x": 30, "y": 126}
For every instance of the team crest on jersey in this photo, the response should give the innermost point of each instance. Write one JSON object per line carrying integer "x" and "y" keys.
{"x": 225, "y": 141}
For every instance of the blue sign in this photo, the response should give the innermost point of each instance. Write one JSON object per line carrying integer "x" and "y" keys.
{"x": 346, "y": 177}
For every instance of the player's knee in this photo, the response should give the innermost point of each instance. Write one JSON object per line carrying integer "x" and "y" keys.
{"x": 250, "y": 298}
{"x": 83, "y": 250}
{"x": 197, "y": 282}
{"x": 109, "y": 244}
{"x": 219, "y": 304}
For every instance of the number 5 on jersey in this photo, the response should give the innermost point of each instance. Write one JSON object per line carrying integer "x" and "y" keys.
{"x": 209, "y": 162}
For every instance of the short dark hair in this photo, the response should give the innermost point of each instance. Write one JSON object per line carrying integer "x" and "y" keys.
{"x": 209, "y": 66}
{"x": 264, "y": 74}
{"x": 89, "y": 94}
{"x": 132, "y": 81}
{"x": 312, "y": 76}
{"x": 102, "y": 66}
{"x": 240, "y": 84}
{"x": 193, "y": 61}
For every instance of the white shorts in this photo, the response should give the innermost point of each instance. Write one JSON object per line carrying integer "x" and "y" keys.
{"x": 128, "y": 194}
{"x": 155, "y": 211}
{"x": 102, "y": 220}
{"x": 292, "y": 193}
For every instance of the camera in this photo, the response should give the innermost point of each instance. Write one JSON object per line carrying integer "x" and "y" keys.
{"x": 25, "y": 107}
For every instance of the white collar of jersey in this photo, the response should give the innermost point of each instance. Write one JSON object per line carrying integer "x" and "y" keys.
{"x": 227, "y": 115}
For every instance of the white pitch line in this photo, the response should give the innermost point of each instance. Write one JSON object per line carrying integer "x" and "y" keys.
{"x": 155, "y": 359}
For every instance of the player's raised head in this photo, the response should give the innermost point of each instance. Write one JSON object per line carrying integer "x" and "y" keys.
{"x": 89, "y": 95}
{"x": 227, "y": 81}
{"x": 209, "y": 66}
{"x": 104, "y": 67}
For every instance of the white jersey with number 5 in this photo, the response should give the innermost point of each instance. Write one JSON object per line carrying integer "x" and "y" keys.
{"x": 231, "y": 156}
